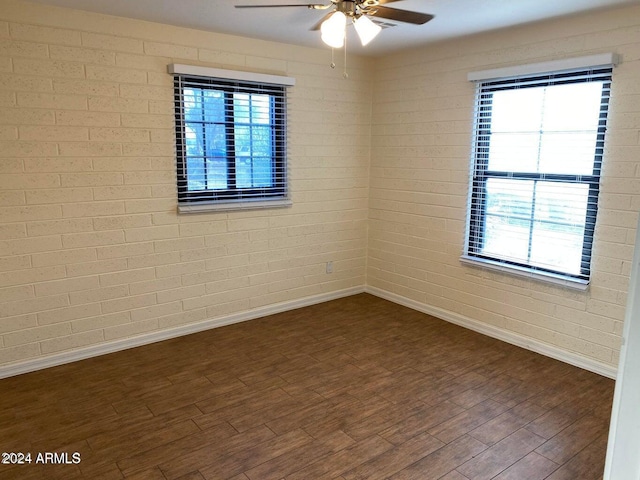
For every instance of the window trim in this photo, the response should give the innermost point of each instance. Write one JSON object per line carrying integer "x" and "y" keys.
{"x": 549, "y": 277}
{"x": 197, "y": 71}
{"x": 530, "y": 72}
{"x": 602, "y": 60}
{"x": 265, "y": 197}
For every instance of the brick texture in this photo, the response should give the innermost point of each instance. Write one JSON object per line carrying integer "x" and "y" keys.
{"x": 421, "y": 147}
{"x": 93, "y": 250}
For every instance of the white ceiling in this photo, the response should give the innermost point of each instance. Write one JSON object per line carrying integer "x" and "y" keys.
{"x": 292, "y": 25}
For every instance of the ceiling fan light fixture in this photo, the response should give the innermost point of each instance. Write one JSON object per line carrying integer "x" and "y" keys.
{"x": 366, "y": 29}
{"x": 333, "y": 30}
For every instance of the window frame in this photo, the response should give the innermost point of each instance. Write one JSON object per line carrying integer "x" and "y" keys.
{"x": 229, "y": 83}
{"x": 496, "y": 80}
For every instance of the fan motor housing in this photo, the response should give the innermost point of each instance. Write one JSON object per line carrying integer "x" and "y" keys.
{"x": 348, "y": 7}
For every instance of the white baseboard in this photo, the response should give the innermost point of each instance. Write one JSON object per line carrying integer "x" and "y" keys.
{"x": 500, "y": 334}
{"x": 40, "y": 363}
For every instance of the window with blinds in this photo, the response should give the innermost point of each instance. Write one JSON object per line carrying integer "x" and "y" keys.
{"x": 539, "y": 142}
{"x": 231, "y": 142}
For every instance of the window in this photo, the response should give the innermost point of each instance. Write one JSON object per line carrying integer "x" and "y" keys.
{"x": 539, "y": 142}
{"x": 231, "y": 141}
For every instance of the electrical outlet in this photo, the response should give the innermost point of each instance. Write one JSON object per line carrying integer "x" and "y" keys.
{"x": 329, "y": 267}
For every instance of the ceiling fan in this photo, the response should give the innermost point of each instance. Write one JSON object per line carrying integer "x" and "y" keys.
{"x": 333, "y": 24}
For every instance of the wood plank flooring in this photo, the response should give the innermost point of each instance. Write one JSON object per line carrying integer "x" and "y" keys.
{"x": 357, "y": 388}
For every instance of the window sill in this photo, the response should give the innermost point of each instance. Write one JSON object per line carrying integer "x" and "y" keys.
{"x": 556, "y": 279}
{"x": 233, "y": 205}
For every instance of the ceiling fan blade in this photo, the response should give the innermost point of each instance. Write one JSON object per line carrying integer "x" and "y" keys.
{"x": 384, "y": 2}
{"x": 308, "y": 5}
{"x": 317, "y": 25}
{"x": 406, "y": 16}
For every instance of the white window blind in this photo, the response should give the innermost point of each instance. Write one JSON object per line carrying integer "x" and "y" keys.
{"x": 231, "y": 141}
{"x": 538, "y": 151}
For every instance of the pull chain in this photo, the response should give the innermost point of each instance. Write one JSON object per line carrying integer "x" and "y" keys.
{"x": 333, "y": 63}
{"x": 344, "y": 73}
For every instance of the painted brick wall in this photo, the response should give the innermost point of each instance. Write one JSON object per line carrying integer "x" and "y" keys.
{"x": 91, "y": 247}
{"x": 421, "y": 137}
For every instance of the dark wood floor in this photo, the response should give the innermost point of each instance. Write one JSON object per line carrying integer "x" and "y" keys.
{"x": 357, "y": 388}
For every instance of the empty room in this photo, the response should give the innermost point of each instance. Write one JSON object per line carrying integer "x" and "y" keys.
{"x": 357, "y": 239}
